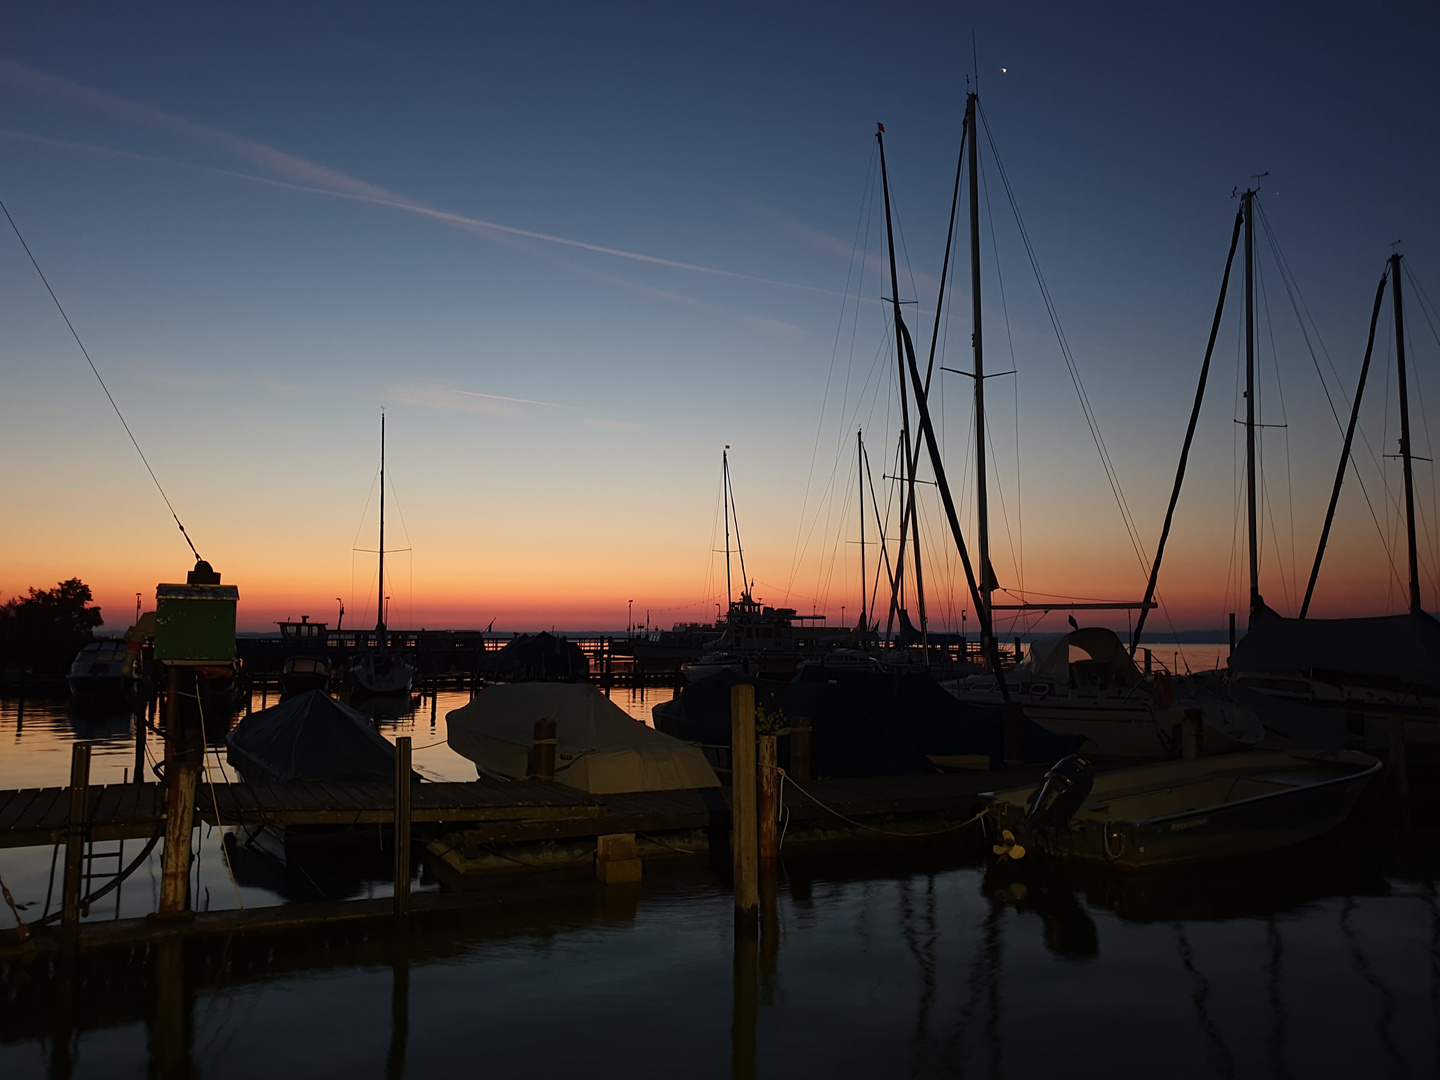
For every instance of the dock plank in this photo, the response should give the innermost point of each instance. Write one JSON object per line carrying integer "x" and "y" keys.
{"x": 16, "y": 806}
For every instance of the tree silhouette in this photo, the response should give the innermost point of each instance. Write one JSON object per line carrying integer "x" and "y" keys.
{"x": 44, "y": 630}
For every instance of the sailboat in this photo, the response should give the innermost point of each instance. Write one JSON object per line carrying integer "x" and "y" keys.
{"x": 1333, "y": 683}
{"x": 1118, "y": 711}
{"x": 383, "y": 671}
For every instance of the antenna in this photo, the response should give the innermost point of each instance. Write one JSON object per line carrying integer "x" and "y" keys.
{"x": 974, "y": 60}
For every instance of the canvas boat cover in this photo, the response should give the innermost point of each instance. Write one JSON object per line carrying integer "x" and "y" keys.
{"x": 310, "y": 737}
{"x": 600, "y": 748}
{"x": 536, "y": 658}
{"x": 1401, "y": 651}
{"x": 1049, "y": 661}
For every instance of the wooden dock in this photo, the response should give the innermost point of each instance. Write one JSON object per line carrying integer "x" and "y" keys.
{"x": 496, "y": 812}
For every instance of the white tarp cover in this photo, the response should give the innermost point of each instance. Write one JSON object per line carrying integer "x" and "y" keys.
{"x": 1049, "y": 661}
{"x": 600, "y": 748}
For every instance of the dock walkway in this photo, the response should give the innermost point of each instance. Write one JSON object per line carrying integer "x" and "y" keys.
{"x": 497, "y": 811}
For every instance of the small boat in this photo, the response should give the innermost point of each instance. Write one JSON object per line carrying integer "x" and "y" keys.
{"x": 599, "y": 747}
{"x": 98, "y": 669}
{"x": 1181, "y": 811}
{"x": 712, "y": 664}
{"x": 308, "y": 738}
{"x": 384, "y": 673}
{"x": 302, "y": 673}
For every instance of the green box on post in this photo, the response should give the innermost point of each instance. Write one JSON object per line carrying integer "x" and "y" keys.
{"x": 195, "y": 624}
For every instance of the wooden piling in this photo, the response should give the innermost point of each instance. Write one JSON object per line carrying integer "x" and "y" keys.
{"x": 1232, "y": 635}
{"x": 75, "y": 835}
{"x": 1014, "y": 734}
{"x": 800, "y": 749}
{"x": 769, "y": 800}
{"x": 402, "y": 827}
{"x": 542, "y": 753}
{"x": 742, "y": 807}
{"x": 1193, "y": 734}
{"x": 140, "y": 743}
{"x": 180, "y": 782}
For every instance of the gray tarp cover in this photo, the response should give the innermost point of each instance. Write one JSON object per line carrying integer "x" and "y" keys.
{"x": 310, "y": 737}
{"x": 600, "y": 748}
{"x": 1396, "y": 648}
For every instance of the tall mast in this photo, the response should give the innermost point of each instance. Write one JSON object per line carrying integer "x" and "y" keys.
{"x": 1415, "y": 607}
{"x": 982, "y": 502}
{"x": 1247, "y": 207}
{"x": 860, "y": 481}
{"x": 380, "y": 596}
{"x": 725, "y": 497}
{"x": 900, "y": 359}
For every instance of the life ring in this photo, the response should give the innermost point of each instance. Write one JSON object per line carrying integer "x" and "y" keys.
{"x": 1163, "y": 694}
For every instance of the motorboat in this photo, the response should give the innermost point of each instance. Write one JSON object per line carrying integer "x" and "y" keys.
{"x": 599, "y": 747}
{"x": 1180, "y": 811}
{"x": 310, "y": 737}
{"x": 98, "y": 669}
{"x": 301, "y": 673}
{"x": 712, "y": 664}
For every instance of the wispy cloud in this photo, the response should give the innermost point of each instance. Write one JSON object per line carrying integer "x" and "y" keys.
{"x": 318, "y": 179}
{"x": 437, "y": 394}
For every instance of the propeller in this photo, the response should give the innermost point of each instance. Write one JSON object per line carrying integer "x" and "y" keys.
{"x": 1008, "y": 847}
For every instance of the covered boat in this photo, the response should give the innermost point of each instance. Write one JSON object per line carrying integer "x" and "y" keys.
{"x": 600, "y": 749}
{"x": 310, "y": 737}
{"x": 1182, "y": 811}
{"x": 538, "y": 657}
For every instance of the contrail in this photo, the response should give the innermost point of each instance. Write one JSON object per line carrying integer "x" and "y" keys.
{"x": 307, "y": 176}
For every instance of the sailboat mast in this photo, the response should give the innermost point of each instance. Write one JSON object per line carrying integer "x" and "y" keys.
{"x": 982, "y": 500}
{"x": 380, "y": 595}
{"x": 860, "y": 482}
{"x": 1247, "y": 205}
{"x": 725, "y": 497}
{"x": 1415, "y": 607}
{"x": 899, "y": 356}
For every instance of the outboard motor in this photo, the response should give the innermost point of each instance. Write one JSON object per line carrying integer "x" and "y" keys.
{"x": 1066, "y": 786}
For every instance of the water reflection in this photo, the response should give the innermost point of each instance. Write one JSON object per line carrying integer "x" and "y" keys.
{"x": 1320, "y": 960}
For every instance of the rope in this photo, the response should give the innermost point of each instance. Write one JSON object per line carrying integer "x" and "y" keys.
{"x": 4, "y": 890}
{"x": 214, "y": 802}
{"x": 96, "y": 370}
{"x": 875, "y": 828}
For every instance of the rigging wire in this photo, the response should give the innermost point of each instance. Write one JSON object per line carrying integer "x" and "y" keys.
{"x": 1091, "y": 422}
{"x": 86, "y": 353}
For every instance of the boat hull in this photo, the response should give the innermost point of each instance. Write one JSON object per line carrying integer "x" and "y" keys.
{"x": 1297, "y": 797}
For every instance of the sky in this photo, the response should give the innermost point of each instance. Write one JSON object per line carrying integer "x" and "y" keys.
{"x": 573, "y": 252}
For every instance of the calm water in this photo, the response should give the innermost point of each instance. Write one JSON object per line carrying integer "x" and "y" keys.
{"x": 1322, "y": 961}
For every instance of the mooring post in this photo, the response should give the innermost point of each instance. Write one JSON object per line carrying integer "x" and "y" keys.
{"x": 181, "y": 775}
{"x": 1399, "y": 773}
{"x": 1232, "y": 635}
{"x": 402, "y": 826}
{"x": 1193, "y": 734}
{"x": 800, "y": 749}
{"x": 1149, "y": 662}
{"x": 769, "y": 809}
{"x": 742, "y": 808}
{"x": 140, "y": 743}
{"x": 542, "y": 753}
{"x": 75, "y": 834}
{"x": 1014, "y": 734}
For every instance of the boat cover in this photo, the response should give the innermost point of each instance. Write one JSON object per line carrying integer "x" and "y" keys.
{"x": 538, "y": 657}
{"x": 310, "y": 737}
{"x": 1049, "y": 661}
{"x": 600, "y": 748}
{"x": 864, "y": 723}
{"x": 1399, "y": 650}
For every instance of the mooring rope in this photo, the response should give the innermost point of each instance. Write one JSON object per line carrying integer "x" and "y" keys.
{"x": 875, "y": 828}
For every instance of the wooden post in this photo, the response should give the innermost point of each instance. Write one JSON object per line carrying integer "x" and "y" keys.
{"x": 1149, "y": 662}
{"x": 1014, "y": 734}
{"x": 542, "y": 755}
{"x": 402, "y": 827}
{"x": 75, "y": 834}
{"x": 172, "y": 1033}
{"x": 800, "y": 749}
{"x": 1232, "y": 634}
{"x": 140, "y": 743}
{"x": 769, "y": 809}
{"x": 1193, "y": 734}
{"x": 742, "y": 808}
{"x": 180, "y": 782}
{"x": 1399, "y": 774}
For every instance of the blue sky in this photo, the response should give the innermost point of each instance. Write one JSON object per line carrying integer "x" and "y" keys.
{"x": 243, "y": 208}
